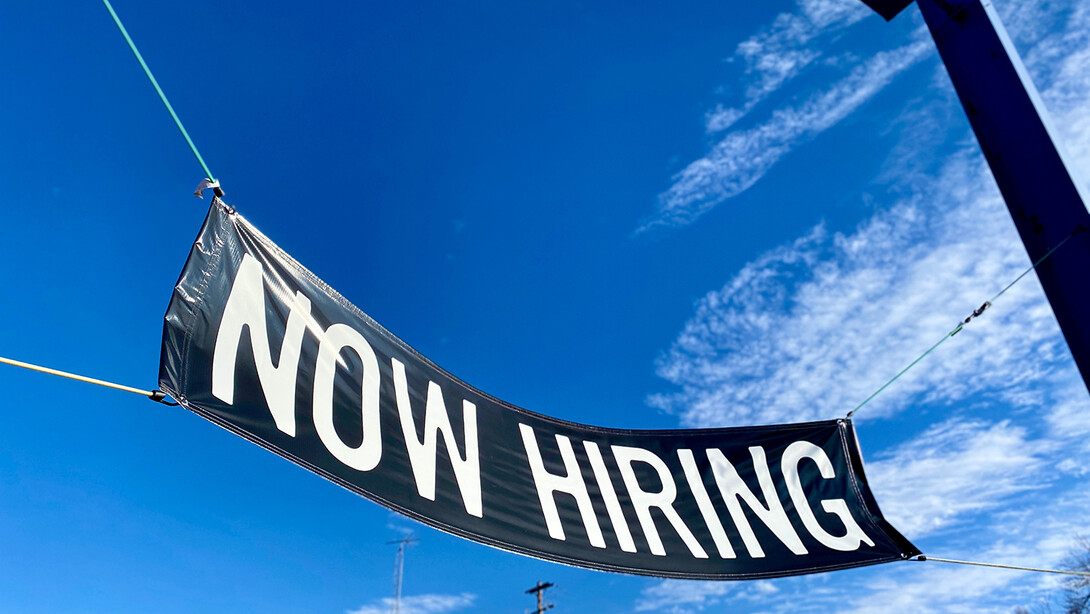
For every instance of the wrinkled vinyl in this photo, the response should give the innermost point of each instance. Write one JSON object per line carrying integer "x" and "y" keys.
{"x": 259, "y": 345}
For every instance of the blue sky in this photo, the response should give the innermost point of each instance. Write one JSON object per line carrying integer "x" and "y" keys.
{"x": 623, "y": 214}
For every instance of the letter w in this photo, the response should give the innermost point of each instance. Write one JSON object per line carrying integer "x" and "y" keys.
{"x": 246, "y": 309}
{"x": 467, "y": 471}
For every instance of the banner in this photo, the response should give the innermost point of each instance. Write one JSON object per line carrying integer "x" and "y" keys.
{"x": 259, "y": 345}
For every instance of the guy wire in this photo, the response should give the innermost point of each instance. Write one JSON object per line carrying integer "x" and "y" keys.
{"x": 1083, "y": 574}
{"x": 961, "y": 325}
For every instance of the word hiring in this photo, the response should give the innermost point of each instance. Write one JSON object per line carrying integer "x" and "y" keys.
{"x": 731, "y": 486}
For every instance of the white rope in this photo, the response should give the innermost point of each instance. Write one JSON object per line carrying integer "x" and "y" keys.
{"x": 1084, "y": 574}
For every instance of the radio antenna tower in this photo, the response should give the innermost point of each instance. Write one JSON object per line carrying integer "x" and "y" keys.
{"x": 399, "y": 568}
{"x": 539, "y": 589}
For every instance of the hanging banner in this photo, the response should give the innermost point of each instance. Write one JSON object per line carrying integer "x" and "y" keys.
{"x": 257, "y": 344}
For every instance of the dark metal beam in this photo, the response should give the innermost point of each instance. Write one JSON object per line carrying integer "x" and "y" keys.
{"x": 1046, "y": 202}
{"x": 887, "y": 8}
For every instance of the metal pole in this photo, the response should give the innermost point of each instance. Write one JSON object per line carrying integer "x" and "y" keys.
{"x": 399, "y": 570}
{"x": 1047, "y": 203}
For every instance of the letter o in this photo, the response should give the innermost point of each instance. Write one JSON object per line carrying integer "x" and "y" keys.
{"x": 336, "y": 338}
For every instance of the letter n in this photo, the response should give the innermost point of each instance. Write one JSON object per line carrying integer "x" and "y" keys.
{"x": 246, "y": 309}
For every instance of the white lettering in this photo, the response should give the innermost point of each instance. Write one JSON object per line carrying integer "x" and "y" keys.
{"x": 613, "y": 505}
{"x": 688, "y": 463}
{"x": 733, "y": 488}
{"x": 467, "y": 470}
{"x": 367, "y": 455}
{"x": 789, "y": 464}
{"x": 246, "y": 308}
{"x": 643, "y": 501}
{"x": 572, "y": 483}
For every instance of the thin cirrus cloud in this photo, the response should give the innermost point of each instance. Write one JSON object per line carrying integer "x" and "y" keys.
{"x": 420, "y": 604}
{"x": 780, "y": 51}
{"x": 922, "y": 493}
{"x": 685, "y": 597}
{"x": 989, "y": 463}
{"x": 809, "y": 330}
{"x": 1037, "y": 536}
{"x": 677, "y": 597}
{"x": 1036, "y": 530}
{"x": 742, "y": 157}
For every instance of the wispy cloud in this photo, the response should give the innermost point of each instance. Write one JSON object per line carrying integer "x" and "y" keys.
{"x": 1031, "y": 535}
{"x": 780, "y": 51}
{"x": 1067, "y": 83}
{"x": 808, "y": 330}
{"x": 675, "y": 596}
{"x": 419, "y": 604}
{"x": 953, "y": 469}
{"x": 401, "y": 525}
{"x": 742, "y": 157}
{"x": 772, "y": 57}
{"x": 688, "y": 597}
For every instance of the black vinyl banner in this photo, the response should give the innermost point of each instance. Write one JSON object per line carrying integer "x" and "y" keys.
{"x": 257, "y": 344}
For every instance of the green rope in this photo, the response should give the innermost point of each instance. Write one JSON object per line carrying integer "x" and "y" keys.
{"x": 155, "y": 83}
{"x": 1039, "y": 261}
{"x": 961, "y": 325}
{"x": 905, "y": 370}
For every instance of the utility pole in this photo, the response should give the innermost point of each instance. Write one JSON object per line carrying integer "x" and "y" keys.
{"x": 399, "y": 568}
{"x": 539, "y": 589}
